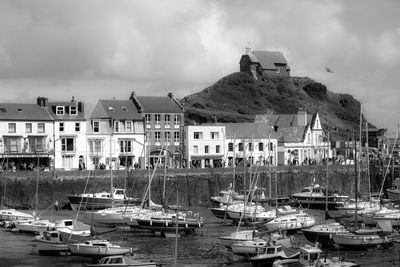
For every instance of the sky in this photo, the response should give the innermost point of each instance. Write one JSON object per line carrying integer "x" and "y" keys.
{"x": 98, "y": 49}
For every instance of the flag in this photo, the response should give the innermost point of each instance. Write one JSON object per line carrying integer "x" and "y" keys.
{"x": 328, "y": 70}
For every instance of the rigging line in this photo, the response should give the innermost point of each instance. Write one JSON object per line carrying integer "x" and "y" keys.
{"x": 387, "y": 167}
{"x": 80, "y": 204}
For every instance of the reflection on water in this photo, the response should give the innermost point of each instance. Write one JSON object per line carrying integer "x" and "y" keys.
{"x": 204, "y": 249}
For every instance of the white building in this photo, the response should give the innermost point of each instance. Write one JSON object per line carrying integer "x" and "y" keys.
{"x": 204, "y": 145}
{"x": 256, "y": 142}
{"x": 69, "y": 138}
{"x": 25, "y": 134}
{"x": 115, "y": 135}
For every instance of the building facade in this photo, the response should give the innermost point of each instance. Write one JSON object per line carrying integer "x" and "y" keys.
{"x": 264, "y": 63}
{"x": 204, "y": 146}
{"x": 164, "y": 120}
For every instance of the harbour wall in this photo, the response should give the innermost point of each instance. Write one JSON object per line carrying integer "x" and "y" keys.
{"x": 194, "y": 186}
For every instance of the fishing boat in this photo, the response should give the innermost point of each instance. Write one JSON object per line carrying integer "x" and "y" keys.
{"x": 268, "y": 255}
{"x": 310, "y": 256}
{"x": 97, "y": 249}
{"x": 314, "y": 197}
{"x": 289, "y": 222}
{"x": 237, "y": 236}
{"x": 393, "y": 193}
{"x": 227, "y": 196}
{"x": 322, "y": 233}
{"x": 13, "y": 215}
{"x": 101, "y": 200}
{"x": 124, "y": 261}
{"x": 51, "y": 243}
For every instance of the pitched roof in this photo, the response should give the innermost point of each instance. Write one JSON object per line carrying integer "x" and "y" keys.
{"x": 292, "y": 134}
{"x": 282, "y": 120}
{"x": 23, "y": 112}
{"x": 245, "y": 130}
{"x": 66, "y": 116}
{"x": 268, "y": 59}
{"x": 159, "y": 104}
{"x": 116, "y": 109}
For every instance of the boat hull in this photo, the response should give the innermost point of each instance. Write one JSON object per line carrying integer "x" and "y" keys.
{"x": 97, "y": 203}
{"x": 52, "y": 248}
{"x": 361, "y": 241}
{"x": 167, "y": 226}
{"x": 97, "y": 251}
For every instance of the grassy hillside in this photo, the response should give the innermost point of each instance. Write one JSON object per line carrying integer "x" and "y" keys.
{"x": 238, "y": 97}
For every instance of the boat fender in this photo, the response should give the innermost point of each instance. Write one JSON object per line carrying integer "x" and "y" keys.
{"x": 151, "y": 222}
{"x": 330, "y": 236}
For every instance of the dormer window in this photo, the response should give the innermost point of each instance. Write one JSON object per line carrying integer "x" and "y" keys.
{"x": 60, "y": 110}
{"x": 73, "y": 110}
{"x": 110, "y": 108}
{"x": 124, "y": 109}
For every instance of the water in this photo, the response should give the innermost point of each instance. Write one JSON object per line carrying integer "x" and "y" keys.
{"x": 203, "y": 249}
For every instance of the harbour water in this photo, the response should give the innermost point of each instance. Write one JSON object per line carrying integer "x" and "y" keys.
{"x": 203, "y": 249}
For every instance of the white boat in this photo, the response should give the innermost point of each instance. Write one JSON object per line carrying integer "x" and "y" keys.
{"x": 243, "y": 235}
{"x": 387, "y": 221}
{"x": 119, "y": 260}
{"x": 51, "y": 243}
{"x": 33, "y": 226}
{"x": 97, "y": 249}
{"x": 311, "y": 257}
{"x": 251, "y": 248}
{"x": 13, "y": 215}
{"x": 113, "y": 216}
{"x": 224, "y": 197}
{"x": 290, "y": 222}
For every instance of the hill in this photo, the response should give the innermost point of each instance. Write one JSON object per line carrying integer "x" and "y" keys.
{"x": 238, "y": 97}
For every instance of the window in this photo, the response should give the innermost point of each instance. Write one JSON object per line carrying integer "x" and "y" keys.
{"x": 197, "y": 135}
{"x": 110, "y": 108}
{"x": 177, "y": 120}
{"x": 124, "y": 109}
{"x": 206, "y": 149}
{"x": 116, "y": 126}
{"x": 28, "y": 127}
{"x": 12, "y": 127}
{"x": 73, "y": 110}
{"x": 271, "y": 146}
{"x": 230, "y": 147}
{"x": 167, "y": 136}
{"x": 217, "y": 149}
{"x": 67, "y": 144}
{"x": 240, "y": 146}
{"x": 214, "y": 135}
{"x": 13, "y": 145}
{"x": 309, "y": 138}
{"x": 60, "y": 110}
{"x": 128, "y": 126}
{"x": 195, "y": 150}
{"x": 260, "y": 147}
{"x": 95, "y": 146}
{"x": 125, "y": 146}
{"x": 176, "y": 137}
{"x": 250, "y": 146}
{"x": 157, "y": 137}
{"x": 147, "y": 119}
{"x": 167, "y": 119}
{"x": 40, "y": 127}
{"x": 157, "y": 119}
{"x": 77, "y": 127}
{"x": 61, "y": 127}
{"x": 96, "y": 127}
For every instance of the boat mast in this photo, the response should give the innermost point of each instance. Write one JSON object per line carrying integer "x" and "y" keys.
{"x": 111, "y": 174}
{"x": 356, "y": 176}
{"x": 368, "y": 174}
{"x": 37, "y": 187}
{"x": 327, "y": 178}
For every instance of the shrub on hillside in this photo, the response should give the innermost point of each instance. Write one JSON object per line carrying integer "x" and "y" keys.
{"x": 316, "y": 90}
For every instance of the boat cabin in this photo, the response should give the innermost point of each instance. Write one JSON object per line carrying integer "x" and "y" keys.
{"x": 396, "y": 184}
{"x": 53, "y": 236}
{"x": 309, "y": 255}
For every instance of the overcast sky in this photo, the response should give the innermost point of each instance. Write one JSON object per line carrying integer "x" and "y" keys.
{"x": 103, "y": 49}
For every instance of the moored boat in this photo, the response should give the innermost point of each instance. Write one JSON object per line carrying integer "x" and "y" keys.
{"x": 250, "y": 248}
{"x": 268, "y": 255}
{"x": 362, "y": 240}
{"x": 13, "y": 215}
{"x": 120, "y": 260}
{"x": 33, "y": 226}
{"x": 97, "y": 249}
{"x": 101, "y": 200}
{"x": 322, "y": 233}
{"x": 289, "y": 222}
{"x": 51, "y": 243}
{"x": 393, "y": 193}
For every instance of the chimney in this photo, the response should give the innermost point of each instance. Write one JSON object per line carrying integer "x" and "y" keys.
{"x": 170, "y": 95}
{"x": 81, "y": 107}
{"x": 73, "y": 99}
{"x": 301, "y": 117}
{"x": 42, "y": 101}
{"x": 136, "y": 102}
{"x": 132, "y": 95}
